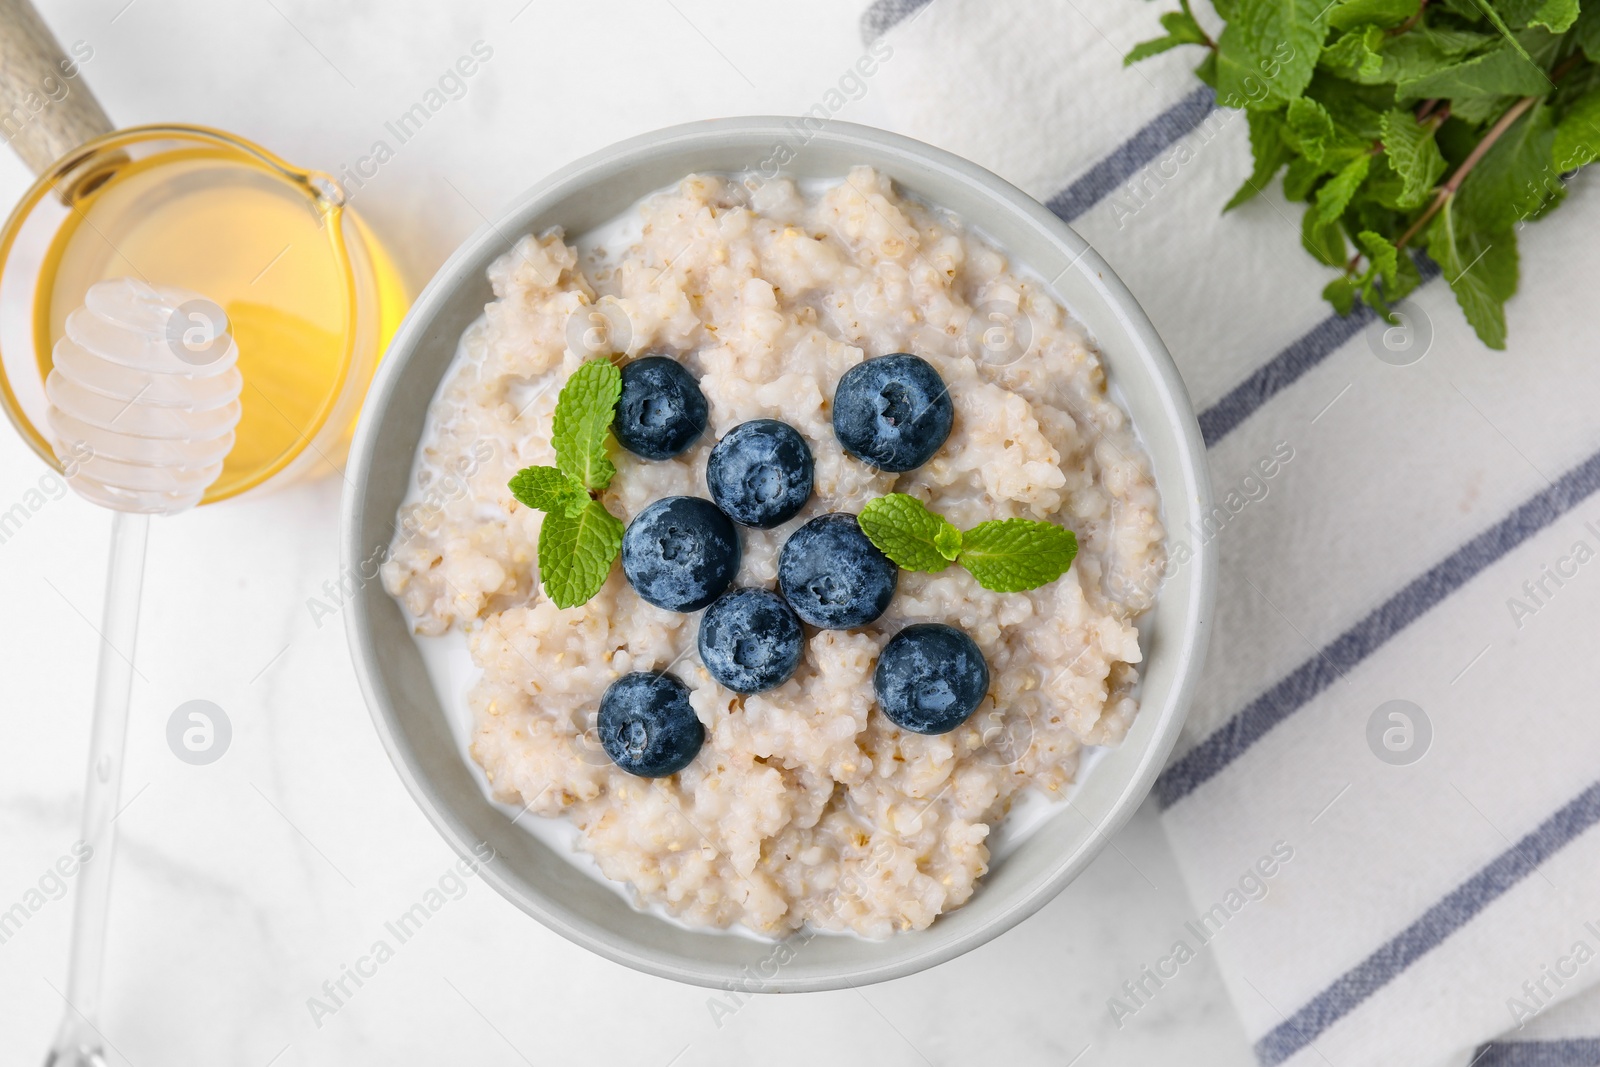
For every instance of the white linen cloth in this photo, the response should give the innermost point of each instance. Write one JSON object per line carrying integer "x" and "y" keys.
{"x": 1429, "y": 533}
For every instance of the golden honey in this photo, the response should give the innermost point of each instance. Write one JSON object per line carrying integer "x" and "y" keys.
{"x": 311, "y": 297}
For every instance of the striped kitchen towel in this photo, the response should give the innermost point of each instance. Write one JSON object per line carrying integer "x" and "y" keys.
{"x": 1385, "y": 800}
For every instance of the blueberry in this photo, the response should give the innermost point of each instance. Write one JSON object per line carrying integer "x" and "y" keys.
{"x": 930, "y": 678}
{"x": 892, "y": 412}
{"x": 680, "y": 553}
{"x": 662, "y": 409}
{"x": 833, "y": 576}
{"x": 750, "y": 640}
{"x": 760, "y": 473}
{"x": 647, "y": 726}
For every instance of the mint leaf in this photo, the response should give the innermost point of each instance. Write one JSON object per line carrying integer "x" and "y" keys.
{"x": 1385, "y": 13}
{"x": 1357, "y": 110}
{"x": 1309, "y": 128}
{"x": 1500, "y": 71}
{"x": 1324, "y": 240}
{"x": 1541, "y": 45}
{"x": 1424, "y": 51}
{"x": 576, "y": 553}
{"x": 1335, "y": 194}
{"x": 1383, "y": 188}
{"x": 1383, "y": 269}
{"x": 1499, "y": 23}
{"x": 1480, "y": 110}
{"x": 1406, "y": 278}
{"x": 1413, "y": 155}
{"x": 1556, "y": 16}
{"x": 1300, "y": 178}
{"x": 1181, "y": 29}
{"x": 1011, "y": 555}
{"x": 1269, "y": 151}
{"x": 1450, "y": 42}
{"x": 1267, "y": 52}
{"x": 550, "y": 490}
{"x": 1372, "y": 296}
{"x": 584, "y": 411}
{"x": 1517, "y": 13}
{"x": 1355, "y": 57}
{"x": 907, "y": 532}
{"x": 1153, "y": 47}
{"x": 1587, "y": 32}
{"x": 1480, "y": 267}
{"x": 1514, "y": 180}
{"x": 1182, "y": 25}
{"x": 1341, "y": 293}
{"x": 1383, "y": 256}
{"x": 1577, "y": 137}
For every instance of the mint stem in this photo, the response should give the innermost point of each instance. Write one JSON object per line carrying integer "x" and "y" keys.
{"x": 1410, "y": 23}
{"x": 1208, "y": 42}
{"x": 1448, "y": 189}
{"x": 1516, "y": 111}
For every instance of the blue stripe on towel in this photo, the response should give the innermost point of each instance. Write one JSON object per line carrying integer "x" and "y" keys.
{"x": 885, "y": 15}
{"x": 1103, "y": 179}
{"x": 1572, "y": 1052}
{"x": 1436, "y": 924}
{"x": 1282, "y": 370}
{"x": 1197, "y": 766}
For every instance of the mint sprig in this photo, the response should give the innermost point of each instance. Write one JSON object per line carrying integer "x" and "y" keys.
{"x": 1437, "y": 126}
{"x": 580, "y": 539}
{"x": 1005, "y": 555}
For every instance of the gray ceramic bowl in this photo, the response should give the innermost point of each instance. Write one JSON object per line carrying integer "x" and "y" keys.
{"x": 407, "y": 712}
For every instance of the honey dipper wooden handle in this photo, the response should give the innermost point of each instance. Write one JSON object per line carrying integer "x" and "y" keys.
{"x": 46, "y": 108}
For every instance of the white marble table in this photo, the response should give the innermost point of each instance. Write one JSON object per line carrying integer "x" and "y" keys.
{"x": 246, "y": 884}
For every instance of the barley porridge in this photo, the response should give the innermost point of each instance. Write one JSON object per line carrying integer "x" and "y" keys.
{"x": 805, "y": 805}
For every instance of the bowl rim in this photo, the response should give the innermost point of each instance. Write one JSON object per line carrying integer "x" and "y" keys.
{"x": 1189, "y": 649}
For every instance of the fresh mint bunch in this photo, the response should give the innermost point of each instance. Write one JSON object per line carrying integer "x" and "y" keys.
{"x": 1430, "y": 125}
{"x": 580, "y": 539}
{"x": 1005, "y": 555}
